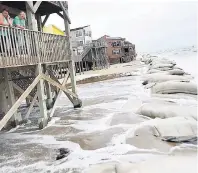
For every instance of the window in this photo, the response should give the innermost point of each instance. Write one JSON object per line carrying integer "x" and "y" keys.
{"x": 88, "y": 33}
{"x": 78, "y": 33}
{"x": 80, "y": 43}
{"x": 126, "y": 50}
{"x": 116, "y": 51}
{"x": 116, "y": 43}
{"x": 88, "y": 41}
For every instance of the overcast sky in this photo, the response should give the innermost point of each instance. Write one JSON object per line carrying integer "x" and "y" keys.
{"x": 151, "y": 26}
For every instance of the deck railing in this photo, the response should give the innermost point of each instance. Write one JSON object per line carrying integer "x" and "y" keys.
{"x": 99, "y": 44}
{"x": 96, "y": 44}
{"x": 25, "y": 47}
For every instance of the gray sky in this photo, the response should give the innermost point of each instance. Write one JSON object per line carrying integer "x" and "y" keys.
{"x": 151, "y": 26}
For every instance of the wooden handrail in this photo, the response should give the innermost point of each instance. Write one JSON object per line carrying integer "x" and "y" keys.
{"x": 26, "y": 47}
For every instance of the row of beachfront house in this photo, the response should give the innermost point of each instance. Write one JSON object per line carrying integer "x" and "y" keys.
{"x": 118, "y": 49}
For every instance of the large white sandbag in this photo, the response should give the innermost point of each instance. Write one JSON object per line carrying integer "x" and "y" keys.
{"x": 147, "y": 137}
{"x": 156, "y": 71}
{"x": 154, "y": 66}
{"x": 167, "y": 110}
{"x": 178, "y": 68}
{"x": 162, "y": 61}
{"x": 176, "y": 72}
{"x": 167, "y": 71}
{"x": 158, "y": 77}
{"x": 177, "y": 96}
{"x": 171, "y": 87}
{"x": 173, "y": 163}
{"x": 163, "y": 68}
{"x": 176, "y": 127}
{"x": 147, "y": 61}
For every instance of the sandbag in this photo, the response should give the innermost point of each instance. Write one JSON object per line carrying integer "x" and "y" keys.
{"x": 154, "y": 66}
{"x": 191, "y": 97}
{"x": 167, "y": 110}
{"x": 158, "y": 77}
{"x": 176, "y": 127}
{"x": 156, "y": 71}
{"x": 163, "y": 68}
{"x": 162, "y": 61}
{"x": 176, "y": 72}
{"x": 177, "y": 68}
{"x": 171, "y": 87}
{"x": 167, "y": 71}
{"x": 146, "y": 60}
{"x": 147, "y": 137}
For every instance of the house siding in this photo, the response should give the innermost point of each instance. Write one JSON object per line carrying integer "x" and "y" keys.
{"x": 79, "y": 41}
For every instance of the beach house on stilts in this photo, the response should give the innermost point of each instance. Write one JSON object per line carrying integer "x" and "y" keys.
{"x": 30, "y": 61}
{"x": 88, "y": 54}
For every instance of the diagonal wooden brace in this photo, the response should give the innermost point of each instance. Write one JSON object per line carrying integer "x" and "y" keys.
{"x": 58, "y": 85}
{"x": 18, "y": 88}
{"x": 63, "y": 84}
{"x": 59, "y": 94}
{"x": 31, "y": 106}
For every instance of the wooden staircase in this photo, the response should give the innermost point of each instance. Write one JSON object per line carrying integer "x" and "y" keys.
{"x": 85, "y": 52}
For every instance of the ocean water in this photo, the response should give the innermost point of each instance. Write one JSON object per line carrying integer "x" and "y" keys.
{"x": 101, "y": 131}
{"x": 186, "y": 58}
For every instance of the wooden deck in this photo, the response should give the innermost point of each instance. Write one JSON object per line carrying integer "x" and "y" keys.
{"x": 25, "y": 47}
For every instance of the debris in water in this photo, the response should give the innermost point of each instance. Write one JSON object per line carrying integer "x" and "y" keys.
{"x": 145, "y": 82}
{"x": 184, "y": 139}
{"x": 63, "y": 152}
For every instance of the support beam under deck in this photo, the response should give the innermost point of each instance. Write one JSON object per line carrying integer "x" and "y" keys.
{"x": 41, "y": 98}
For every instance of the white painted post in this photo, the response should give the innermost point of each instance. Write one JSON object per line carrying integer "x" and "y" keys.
{"x": 41, "y": 98}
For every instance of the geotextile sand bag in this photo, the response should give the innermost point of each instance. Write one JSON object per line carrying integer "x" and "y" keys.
{"x": 171, "y": 87}
{"x": 167, "y": 110}
{"x": 160, "y": 77}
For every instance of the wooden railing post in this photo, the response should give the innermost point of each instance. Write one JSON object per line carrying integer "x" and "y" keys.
{"x": 37, "y": 48}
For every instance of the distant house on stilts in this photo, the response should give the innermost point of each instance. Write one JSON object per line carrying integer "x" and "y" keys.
{"x": 118, "y": 49}
{"x": 88, "y": 54}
